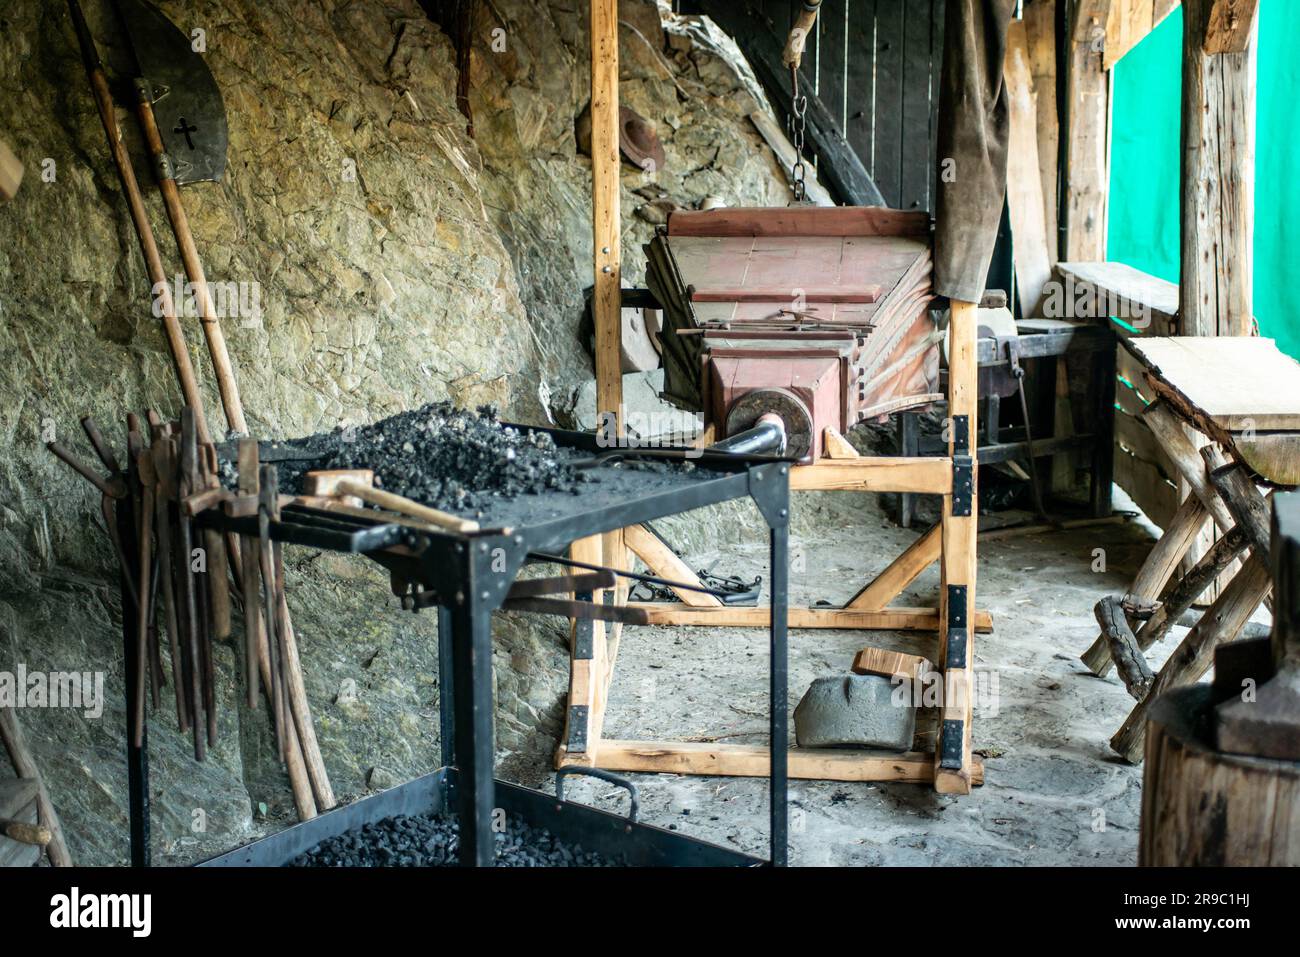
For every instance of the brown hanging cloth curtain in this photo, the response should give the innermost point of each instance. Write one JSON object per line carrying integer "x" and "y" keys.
{"x": 972, "y": 145}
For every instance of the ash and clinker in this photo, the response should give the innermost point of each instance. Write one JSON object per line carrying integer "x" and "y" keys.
{"x": 446, "y": 457}
{"x": 434, "y": 841}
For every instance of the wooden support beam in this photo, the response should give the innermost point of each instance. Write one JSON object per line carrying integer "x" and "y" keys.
{"x": 836, "y": 445}
{"x": 1033, "y": 263}
{"x": 931, "y": 475}
{"x": 663, "y": 562}
{"x": 1155, "y": 572}
{"x": 588, "y": 673}
{"x": 904, "y": 569}
{"x": 891, "y": 618}
{"x": 1040, "y": 26}
{"x": 960, "y": 527}
{"x": 839, "y": 164}
{"x": 1193, "y": 657}
{"x": 606, "y": 302}
{"x": 740, "y": 760}
{"x": 1088, "y": 153}
{"x": 1229, "y": 26}
{"x": 1217, "y": 210}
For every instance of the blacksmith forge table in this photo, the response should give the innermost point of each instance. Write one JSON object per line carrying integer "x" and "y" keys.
{"x": 468, "y": 576}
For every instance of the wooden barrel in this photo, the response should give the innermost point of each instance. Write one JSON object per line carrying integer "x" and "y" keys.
{"x": 1203, "y": 808}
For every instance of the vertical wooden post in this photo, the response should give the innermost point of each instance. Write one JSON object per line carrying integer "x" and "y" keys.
{"x": 1088, "y": 161}
{"x": 607, "y": 298}
{"x": 952, "y": 755}
{"x": 1218, "y": 173}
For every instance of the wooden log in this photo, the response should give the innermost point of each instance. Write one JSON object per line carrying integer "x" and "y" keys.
{"x": 1217, "y": 208}
{"x": 1124, "y": 652}
{"x": 1204, "y": 808}
{"x": 11, "y": 735}
{"x": 1159, "y": 565}
{"x": 1192, "y": 585}
{"x": 1086, "y": 167}
{"x": 1247, "y": 505}
{"x": 1193, "y": 657}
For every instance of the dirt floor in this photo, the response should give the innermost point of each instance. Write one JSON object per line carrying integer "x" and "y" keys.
{"x": 1054, "y": 794}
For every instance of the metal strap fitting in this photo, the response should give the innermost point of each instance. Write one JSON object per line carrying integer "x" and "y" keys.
{"x": 952, "y": 744}
{"x": 955, "y": 649}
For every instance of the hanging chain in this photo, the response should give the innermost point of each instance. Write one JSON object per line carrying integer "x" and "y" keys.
{"x": 798, "y": 125}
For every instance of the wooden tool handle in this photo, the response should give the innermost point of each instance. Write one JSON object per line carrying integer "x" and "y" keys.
{"x": 25, "y": 833}
{"x": 799, "y": 34}
{"x": 405, "y": 506}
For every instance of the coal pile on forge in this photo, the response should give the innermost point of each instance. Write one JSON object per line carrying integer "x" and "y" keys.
{"x": 442, "y": 456}
{"x": 434, "y": 841}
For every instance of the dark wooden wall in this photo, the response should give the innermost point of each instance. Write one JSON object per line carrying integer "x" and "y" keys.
{"x": 874, "y": 64}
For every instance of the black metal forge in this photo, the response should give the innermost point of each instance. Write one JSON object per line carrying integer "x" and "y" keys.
{"x": 468, "y": 576}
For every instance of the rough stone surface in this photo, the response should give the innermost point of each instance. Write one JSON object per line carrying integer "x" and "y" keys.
{"x": 395, "y": 262}
{"x": 853, "y": 710}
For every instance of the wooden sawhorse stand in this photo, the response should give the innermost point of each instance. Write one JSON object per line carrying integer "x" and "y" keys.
{"x": 1243, "y": 396}
{"x": 953, "y": 768}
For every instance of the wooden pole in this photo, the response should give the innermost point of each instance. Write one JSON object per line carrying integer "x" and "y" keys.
{"x": 952, "y": 758}
{"x": 1088, "y": 157}
{"x": 227, "y": 386}
{"x": 1218, "y": 171}
{"x": 606, "y": 230}
{"x": 140, "y": 218}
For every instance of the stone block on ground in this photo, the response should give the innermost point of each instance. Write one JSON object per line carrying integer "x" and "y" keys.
{"x": 853, "y": 710}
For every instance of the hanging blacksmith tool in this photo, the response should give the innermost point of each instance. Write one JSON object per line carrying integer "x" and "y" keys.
{"x": 792, "y": 57}
{"x": 173, "y": 85}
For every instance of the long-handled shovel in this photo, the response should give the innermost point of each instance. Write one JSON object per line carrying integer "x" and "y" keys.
{"x": 173, "y": 84}
{"x": 140, "y": 218}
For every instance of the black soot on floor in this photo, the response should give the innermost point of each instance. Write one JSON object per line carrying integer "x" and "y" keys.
{"x": 425, "y": 841}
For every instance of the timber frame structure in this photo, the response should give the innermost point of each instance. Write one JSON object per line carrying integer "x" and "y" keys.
{"x": 952, "y": 768}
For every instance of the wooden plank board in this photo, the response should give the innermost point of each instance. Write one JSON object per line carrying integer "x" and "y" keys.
{"x": 888, "y": 102}
{"x": 1040, "y": 24}
{"x": 740, "y": 760}
{"x": 1225, "y": 383}
{"x": 890, "y": 618}
{"x": 916, "y": 184}
{"x": 798, "y": 221}
{"x": 1126, "y": 286}
{"x": 1088, "y": 156}
{"x": 1024, "y": 176}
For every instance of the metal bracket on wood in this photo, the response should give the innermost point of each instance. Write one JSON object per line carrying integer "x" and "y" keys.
{"x": 577, "y": 742}
{"x": 952, "y": 739}
{"x": 963, "y": 468}
{"x": 955, "y": 656}
{"x": 584, "y": 630}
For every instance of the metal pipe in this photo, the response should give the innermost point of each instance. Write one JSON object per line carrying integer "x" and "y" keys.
{"x": 767, "y": 435}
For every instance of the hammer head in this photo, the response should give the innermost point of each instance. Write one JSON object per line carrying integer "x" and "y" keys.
{"x": 325, "y": 482}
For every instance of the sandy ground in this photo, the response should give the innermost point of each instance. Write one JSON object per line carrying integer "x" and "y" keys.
{"x": 1054, "y": 794}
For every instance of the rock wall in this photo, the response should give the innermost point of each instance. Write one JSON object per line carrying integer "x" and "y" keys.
{"x": 394, "y": 260}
